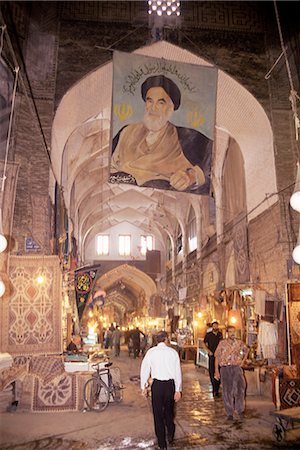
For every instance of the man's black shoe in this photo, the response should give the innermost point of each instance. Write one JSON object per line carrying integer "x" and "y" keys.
{"x": 158, "y": 447}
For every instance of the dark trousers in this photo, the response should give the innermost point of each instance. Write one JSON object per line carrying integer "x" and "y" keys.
{"x": 211, "y": 369}
{"x": 117, "y": 349}
{"x": 136, "y": 349}
{"x": 234, "y": 385}
{"x": 163, "y": 410}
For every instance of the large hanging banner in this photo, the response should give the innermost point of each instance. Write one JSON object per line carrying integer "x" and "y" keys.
{"x": 163, "y": 119}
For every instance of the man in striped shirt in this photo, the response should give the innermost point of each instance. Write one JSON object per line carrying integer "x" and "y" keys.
{"x": 230, "y": 355}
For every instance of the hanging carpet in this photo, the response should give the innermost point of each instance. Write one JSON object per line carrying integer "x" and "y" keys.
{"x": 32, "y": 314}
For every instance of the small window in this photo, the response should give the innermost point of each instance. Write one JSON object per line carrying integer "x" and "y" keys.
{"x": 124, "y": 245}
{"x": 192, "y": 243}
{"x": 146, "y": 244}
{"x": 179, "y": 243}
{"x": 192, "y": 230}
{"x": 102, "y": 245}
{"x": 169, "y": 249}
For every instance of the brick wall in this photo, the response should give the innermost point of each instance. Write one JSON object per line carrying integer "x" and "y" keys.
{"x": 268, "y": 250}
{"x": 77, "y": 37}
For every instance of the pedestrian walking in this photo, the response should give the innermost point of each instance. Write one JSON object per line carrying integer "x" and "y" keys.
{"x": 162, "y": 363}
{"x": 136, "y": 336}
{"x": 211, "y": 341}
{"x": 230, "y": 355}
{"x": 116, "y": 340}
{"x": 144, "y": 345}
{"x": 107, "y": 338}
{"x": 111, "y": 329}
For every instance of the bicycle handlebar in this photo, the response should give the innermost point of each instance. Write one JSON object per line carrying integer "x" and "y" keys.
{"x": 106, "y": 366}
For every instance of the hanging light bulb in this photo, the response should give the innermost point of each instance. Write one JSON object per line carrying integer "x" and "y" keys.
{"x": 295, "y": 198}
{"x": 234, "y": 315}
{"x": 3, "y": 240}
{"x": 296, "y": 254}
{"x": 2, "y": 287}
{"x": 234, "y": 318}
{"x": 296, "y": 251}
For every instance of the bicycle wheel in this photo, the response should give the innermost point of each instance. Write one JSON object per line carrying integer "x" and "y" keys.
{"x": 117, "y": 392}
{"x": 96, "y": 394}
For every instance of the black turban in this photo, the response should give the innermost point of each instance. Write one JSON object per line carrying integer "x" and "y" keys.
{"x": 168, "y": 85}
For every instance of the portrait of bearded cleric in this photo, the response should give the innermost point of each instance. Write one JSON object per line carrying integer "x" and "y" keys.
{"x": 156, "y": 153}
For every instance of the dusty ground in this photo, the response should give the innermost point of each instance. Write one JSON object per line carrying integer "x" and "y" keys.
{"x": 200, "y": 421}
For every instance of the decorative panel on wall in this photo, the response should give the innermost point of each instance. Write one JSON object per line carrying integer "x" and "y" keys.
{"x": 105, "y": 11}
{"x": 213, "y": 15}
{"x": 31, "y": 322}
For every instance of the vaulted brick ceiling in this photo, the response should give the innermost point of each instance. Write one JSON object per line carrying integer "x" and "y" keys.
{"x": 80, "y": 153}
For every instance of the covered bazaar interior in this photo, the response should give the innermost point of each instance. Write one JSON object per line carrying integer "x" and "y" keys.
{"x": 87, "y": 249}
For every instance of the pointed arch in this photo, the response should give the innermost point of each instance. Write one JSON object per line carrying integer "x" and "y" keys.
{"x": 133, "y": 277}
{"x": 233, "y": 182}
{"x": 238, "y": 115}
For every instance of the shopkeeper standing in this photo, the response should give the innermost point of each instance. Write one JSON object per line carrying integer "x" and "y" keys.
{"x": 211, "y": 341}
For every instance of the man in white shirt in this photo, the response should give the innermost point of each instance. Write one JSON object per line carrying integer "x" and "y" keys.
{"x": 162, "y": 363}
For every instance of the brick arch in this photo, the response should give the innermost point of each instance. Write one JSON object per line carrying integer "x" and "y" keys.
{"x": 238, "y": 115}
{"x": 137, "y": 281}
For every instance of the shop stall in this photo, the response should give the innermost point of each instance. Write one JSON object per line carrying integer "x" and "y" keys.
{"x": 259, "y": 319}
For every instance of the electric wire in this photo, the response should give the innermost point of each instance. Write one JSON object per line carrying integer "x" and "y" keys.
{"x": 245, "y": 216}
{"x": 110, "y": 47}
{"x": 2, "y": 38}
{"x": 9, "y": 128}
{"x": 30, "y": 102}
{"x": 268, "y": 74}
{"x": 293, "y": 93}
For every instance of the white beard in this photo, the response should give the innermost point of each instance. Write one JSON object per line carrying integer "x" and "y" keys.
{"x": 156, "y": 121}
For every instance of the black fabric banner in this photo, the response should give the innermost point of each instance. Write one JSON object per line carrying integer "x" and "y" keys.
{"x": 84, "y": 284}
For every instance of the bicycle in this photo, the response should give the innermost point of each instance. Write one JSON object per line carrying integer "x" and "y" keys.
{"x": 97, "y": 393}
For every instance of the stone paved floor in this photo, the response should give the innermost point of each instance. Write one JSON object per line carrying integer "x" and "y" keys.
{"x": 200, "y": 422}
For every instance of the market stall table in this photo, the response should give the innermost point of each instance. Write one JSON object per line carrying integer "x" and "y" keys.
{"x": 188, "y": 353}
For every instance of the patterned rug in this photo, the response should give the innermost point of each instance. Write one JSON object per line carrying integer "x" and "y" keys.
{"x": 7, "y": 376}
{"x": 60, "y": 395}
{"x": 289, "y": 391}
{"x": 46, "y": 368}
{"x": 32, "y": 314}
